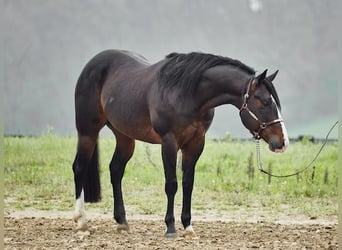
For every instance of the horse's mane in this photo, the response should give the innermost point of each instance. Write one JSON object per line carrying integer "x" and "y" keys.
{"x": 184, "y": 71}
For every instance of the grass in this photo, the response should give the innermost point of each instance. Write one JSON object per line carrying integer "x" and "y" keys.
{"x": 38, "y": 174}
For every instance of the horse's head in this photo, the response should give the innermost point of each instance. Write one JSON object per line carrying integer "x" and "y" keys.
{"x": 260, "y": 112}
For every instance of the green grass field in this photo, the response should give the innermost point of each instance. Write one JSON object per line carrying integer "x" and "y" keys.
{"x": 38, "y": 175}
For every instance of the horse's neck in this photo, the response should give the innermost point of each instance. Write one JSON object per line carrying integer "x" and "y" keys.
{"x": 222, "y": 85}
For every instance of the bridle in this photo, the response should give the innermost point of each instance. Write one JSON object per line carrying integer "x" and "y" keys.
{"x": 262, "y": 125}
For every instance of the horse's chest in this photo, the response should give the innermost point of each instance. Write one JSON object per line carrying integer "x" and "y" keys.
{"x": 195, "y": 128}
{"x": 188, "y": 133}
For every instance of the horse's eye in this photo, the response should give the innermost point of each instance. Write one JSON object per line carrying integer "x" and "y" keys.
{"x": 267, "y": 102}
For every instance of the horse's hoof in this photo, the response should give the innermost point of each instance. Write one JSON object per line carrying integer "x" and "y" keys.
{"x": 122, "y": 228}
{"x": 81, "y": 228}
{"x": 170, "y": 235}
{"x": 76, "y": 217}
{"x": 79, "y": 218}
{"x": 189, "y": 233}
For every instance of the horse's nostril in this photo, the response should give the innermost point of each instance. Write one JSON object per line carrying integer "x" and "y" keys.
{"x": 276, "y": 145}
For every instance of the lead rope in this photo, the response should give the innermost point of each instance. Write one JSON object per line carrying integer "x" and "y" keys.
{"x": 260, "y": 167}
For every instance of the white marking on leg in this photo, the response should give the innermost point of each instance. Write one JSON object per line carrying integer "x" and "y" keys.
{"x": 79, "y": 215}
{"x": 189, "y": 229}
{"x": 189, "y": 233}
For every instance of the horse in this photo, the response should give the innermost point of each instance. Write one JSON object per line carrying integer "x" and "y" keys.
{"x": 172, "y": 103}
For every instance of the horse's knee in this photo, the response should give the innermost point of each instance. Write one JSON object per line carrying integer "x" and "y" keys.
{"x": 171, "y": 187}
{"x": 117, "y": 166}
{"x": 116, "y": 172}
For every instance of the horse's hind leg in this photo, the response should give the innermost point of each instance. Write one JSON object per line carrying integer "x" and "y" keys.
{"x": 86, "y": 165}
{"x": 87, "y": 186}
{"x": 123, "y": 152}
{"x": 90, "y": 119}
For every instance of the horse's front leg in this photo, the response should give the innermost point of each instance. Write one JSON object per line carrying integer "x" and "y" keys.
{"x": 169, "y": 156}
{"x": 123, "y": 152}
{"x": 190, "y": 155}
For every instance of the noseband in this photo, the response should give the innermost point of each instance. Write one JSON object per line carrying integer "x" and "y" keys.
{"x": 262, "y": 125}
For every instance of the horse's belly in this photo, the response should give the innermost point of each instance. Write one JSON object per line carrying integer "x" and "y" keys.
{"x": 150, "y": 137}
{"x": 129, "y": 118}
{"x": 138, "y": 129}
{"x": 141, "y": 134}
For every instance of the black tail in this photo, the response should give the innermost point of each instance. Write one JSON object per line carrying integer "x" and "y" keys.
{"x": 91, "y": 186}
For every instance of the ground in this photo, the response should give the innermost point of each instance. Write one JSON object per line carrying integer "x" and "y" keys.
{"x": 32, "y": 229}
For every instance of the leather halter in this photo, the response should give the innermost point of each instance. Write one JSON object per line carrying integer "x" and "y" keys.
{"x": 262, "y": 125}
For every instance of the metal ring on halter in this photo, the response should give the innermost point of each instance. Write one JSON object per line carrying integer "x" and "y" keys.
{"x": 263, "y": 125}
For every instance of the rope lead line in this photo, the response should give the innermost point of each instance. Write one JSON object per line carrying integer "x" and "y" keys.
{"x": 260, "y": 167}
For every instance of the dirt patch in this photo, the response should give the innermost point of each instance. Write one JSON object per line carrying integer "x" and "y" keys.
{"x": 286, "y": 215}
{"x": 57, "y": 232}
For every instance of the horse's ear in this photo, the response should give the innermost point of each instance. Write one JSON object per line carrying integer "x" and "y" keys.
{"x": 261, "y": 77}
{"x": 271, "y": 77}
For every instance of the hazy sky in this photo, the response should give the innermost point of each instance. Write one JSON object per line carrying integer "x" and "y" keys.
{"x": 47, "y": 43}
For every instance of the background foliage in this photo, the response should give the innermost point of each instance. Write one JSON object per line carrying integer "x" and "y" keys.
{"x": 38, "y": 174}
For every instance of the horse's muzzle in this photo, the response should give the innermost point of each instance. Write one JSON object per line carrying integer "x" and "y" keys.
{"x": 278, "y": 146}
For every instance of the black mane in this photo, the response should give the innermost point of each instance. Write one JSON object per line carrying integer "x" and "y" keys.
{"x": 185, "y": 70}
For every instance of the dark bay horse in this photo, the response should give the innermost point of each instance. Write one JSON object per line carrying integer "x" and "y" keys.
{"x": 171, "y": 103}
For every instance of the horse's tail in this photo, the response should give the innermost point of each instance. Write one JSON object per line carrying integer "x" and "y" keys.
{"x": 91, "y": 185}
{"x": 89, "y": 121}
